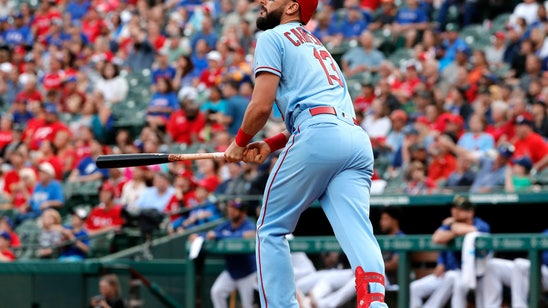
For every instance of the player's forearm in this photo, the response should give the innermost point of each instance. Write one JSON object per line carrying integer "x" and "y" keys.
{"x": 442, "y": 236}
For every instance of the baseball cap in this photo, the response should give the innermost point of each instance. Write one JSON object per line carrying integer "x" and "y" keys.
{"x": 524, "y": 161}
{"x": 506, "y": 150}
{"x": 6, "y": 67}
{"x": 214, "y": 56}
{"x": 47, "y": 168}
{"x": 464, "y": 49}
{"x": 393, "y": 211}
{"x": 50, "y": 107}
{"x": 80, "y": 212}
{"x": 107, "y": 187}
{"x": 209, "y": 184}
{"x": 410, "y": 130}
{"x": 523, "y": 119}
{"x": 462, "y": 202}
{"x": 237, "y": 204}
{"x": 307, "y": 9}
{"x": 500, "y": 35}
{"x": 423, "y": 120}
{"x": 398, "y": 115}
{"x": 5, "y": 235}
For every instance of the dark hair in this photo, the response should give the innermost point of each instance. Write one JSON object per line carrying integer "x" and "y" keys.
{"x": 393, "y": 211}
{"x": 169, "y": 85}
{"x": 189, "y": 67}
{"x": 116, "y": 69}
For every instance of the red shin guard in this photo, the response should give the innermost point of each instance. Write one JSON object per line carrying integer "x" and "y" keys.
{"x": 363, "y": 289}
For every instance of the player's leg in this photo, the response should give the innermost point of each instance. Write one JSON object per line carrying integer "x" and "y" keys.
{"x": 221, "y": 289}
{"x": 298, "y": 178}
{"x": 498, "y": 272}
{"x": 421, "y": 288}
{"x": 306, "y": 283}
{"x": 246, "y": 287}
{"x": 458, "y": 299}
{"x": 520, "y": 283}
{"x": 442, "y": 293}
{"x": 346, "y": 205}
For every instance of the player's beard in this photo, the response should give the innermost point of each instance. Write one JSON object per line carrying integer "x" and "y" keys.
{"x": 270, "y": 20}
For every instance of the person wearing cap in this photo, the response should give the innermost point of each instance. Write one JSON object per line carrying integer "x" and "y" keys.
{"x": 107, "y": 215}
{"x": 294, "y": 69}
{"x": 452, "y": 43}
{"x": 528, "y": 143}
{"x": 513, "y": 274}
{"x": 495, "y": 52}
{"x": 76, "y": 237}
{"x": 48, "y": 193}
{"x": 211, "y": 76}
{"x": 446, "y": 279}
{"x": 19, "y": 33}
{"x": 518, "y": 176}
{"x": 240, "y": 270}
{"x": 6, "y": 255}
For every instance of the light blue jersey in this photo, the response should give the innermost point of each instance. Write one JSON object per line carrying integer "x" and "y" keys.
{"x": 321, "y": 82}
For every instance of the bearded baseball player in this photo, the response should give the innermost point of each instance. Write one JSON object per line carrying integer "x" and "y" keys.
{"x": 325, "y": 157}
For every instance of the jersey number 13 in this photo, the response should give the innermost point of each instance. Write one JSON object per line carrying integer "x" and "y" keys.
{"x": 331, "y": 72}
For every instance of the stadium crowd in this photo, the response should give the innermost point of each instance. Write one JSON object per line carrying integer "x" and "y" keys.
{"x": 452, "y": 102}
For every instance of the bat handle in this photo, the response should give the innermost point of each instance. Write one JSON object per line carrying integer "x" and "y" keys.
{"x": 218, "y": 155}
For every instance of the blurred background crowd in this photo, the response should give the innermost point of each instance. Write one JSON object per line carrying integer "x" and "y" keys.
{"x": 453, "y": 94}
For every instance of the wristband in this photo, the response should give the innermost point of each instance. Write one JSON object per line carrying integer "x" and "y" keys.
{"x": 242, "y": 139}
{"x": 276, "y": 142}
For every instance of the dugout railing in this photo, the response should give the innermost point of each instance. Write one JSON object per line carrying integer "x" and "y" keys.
{"x": 533, "y": 244}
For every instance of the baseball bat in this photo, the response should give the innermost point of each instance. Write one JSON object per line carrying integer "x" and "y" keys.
{"x": 147, "y": 159}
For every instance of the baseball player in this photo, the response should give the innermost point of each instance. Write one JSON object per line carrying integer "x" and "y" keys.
{"x": 325, "y": 156}
{"x": 513, "y": 274}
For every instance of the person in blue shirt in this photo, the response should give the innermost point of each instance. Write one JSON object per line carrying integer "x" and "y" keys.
{"x": 353, "y": 24}
{"x": 19, "y": 34}
{"x": 163, "y": 102}
{"x": 207, "y": 33}
{"x": 235, "y": 107}
{"x": 409, "y": 20}
{"x": 163, "y": 69}
{"x": 87, "y": 170}
{"x": 202, "y": 209}
{"x": 240, "y": 269}
{"x": 452, "y": 44}
{"x": 77, "y": 9}
{"x": 47, "y": 193}
{"x": 363, "y": 58}
{"x": 158, "y": 196}
{"x": 78, "y": 237}
{"x": 446, "y": 282}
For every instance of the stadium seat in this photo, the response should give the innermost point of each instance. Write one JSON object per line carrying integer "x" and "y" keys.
{"x": 499, "y": 22}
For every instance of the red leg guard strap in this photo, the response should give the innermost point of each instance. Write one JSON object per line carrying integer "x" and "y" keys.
{"x": 364, "y": 295}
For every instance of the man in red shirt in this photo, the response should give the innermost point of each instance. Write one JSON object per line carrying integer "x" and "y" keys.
{"x": 107, "y": 215}
{"x": 528, "y": 143}
{"x": 185, "y": 125}
{"x": 47, "y": 129}
{"x": 6, "y": 255}
{"x": 42, "y": 20}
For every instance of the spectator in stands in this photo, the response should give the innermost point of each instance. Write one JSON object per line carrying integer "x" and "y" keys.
{"x": 211, "y": 75}
{"x": 46, "y": 129}
{"x": 240, "y": 270}
{"x": 107, "y": 215}
{"x": 377, "y": 123}
{"x": 442, "y": 163}
{"x": 162, "y": 68}
{"x": 463, "y": 176}
{"x": 184, "y": 125}
{"x": 48, "y": 193}
{"x": 528, "y": 143}
{"x": 12, "y": 177}
{"x": 518, "y": 176}
{"x": 476, "y": 139}
{"x": 514, "y": 274}
{"x": 354, "y": 22}
{"x": 77, "y": 237}
{"x": 65, "y": 152}
{"x": 495, "y": 53}
{"x": 410, "y": 20}
{"x": 364, "y": 58}
{"x": 157, "y": 196}
{"x": 235, "y": 107}
{"x": 47, "y": 153}
{"x": 163, "y": 102}
{"x": 133, "y": 188}
{"x": 385, "y": 16}
{"x": 540, "y": 118}
{"x": 492, "y": 165}
{"x": 389, "y": 224}
{"x": 51, "y": 234}
{"x": 6, "y": 225}
{"x": 22, "y": 190}
{"x": 470, "y": 9}
{"x": 326, "y": 30}
{"x": 202, "y": 209}
{"x": 533, "y": 71}
{"x": 6, "y": 255}
{"x": 87, "y": 170}
{"x": 141, "y": 55}
{"x": 446, "y": 280}
{"x": 7, "y": 7}
{"x": 111, "y": 85}
{"x": 417, "y": 181}
{"x": 109, "y": 293}
{"x": 500, "y": 128}
{"x": 527, "y": 9}
{"x": 394, "y": 139}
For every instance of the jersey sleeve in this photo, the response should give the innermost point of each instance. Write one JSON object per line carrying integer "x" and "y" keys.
{"x": 268, "y": 54}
